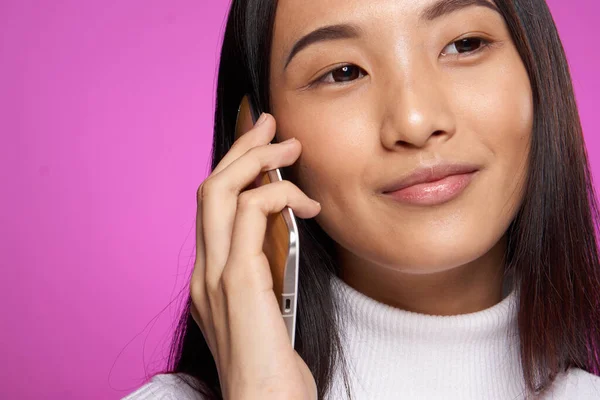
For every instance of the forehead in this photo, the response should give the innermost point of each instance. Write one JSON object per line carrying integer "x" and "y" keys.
{"x": 295, "y": 18}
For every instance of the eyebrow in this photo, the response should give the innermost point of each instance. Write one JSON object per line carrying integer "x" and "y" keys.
{"x": 350, "y": 31}
{"x": 445, "y": 7}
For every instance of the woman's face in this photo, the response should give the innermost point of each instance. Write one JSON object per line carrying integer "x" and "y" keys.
{"x": 426, "y": 83}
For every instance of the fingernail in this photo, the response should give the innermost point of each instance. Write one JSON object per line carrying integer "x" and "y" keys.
{"x": 288, "y": 141}
{"x": 263, "y": 118}
{"x": 317, "y": 203}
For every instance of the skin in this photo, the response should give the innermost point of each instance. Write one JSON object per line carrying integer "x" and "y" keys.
{"x": 415, "y": 103}
{"x": 410, "y": 101}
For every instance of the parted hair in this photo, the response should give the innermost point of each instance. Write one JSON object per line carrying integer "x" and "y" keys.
{"x": 552, "y": 242}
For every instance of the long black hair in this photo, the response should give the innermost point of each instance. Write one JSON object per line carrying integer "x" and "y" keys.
{"x": 552, "y": 242}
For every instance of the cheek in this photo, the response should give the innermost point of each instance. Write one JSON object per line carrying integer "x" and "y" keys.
{"x": 508, "y": 117}
{"x": 498, "y": 115}
{"x": 334, "y": 152}
{"x": 494, "y": 115}
{"x": 496, "y": 123}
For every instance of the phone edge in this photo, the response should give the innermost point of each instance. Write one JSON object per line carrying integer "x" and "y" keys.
{"x": 290, "y": 278}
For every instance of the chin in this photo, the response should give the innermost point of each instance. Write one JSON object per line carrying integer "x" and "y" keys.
{"x": 438, "y": 255}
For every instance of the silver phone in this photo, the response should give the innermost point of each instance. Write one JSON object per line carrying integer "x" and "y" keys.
{"x": 281, "y": 245}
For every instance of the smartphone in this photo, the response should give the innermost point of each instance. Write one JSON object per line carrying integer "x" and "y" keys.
{"x": 281, "y": 244}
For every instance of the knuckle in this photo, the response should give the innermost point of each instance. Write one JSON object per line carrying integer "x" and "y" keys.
{"x": 288, "y": 186}
{"x": 257, "y": 155}
{"x": 212, "y": 288}
{"x": 294, "y": 191}
{"x": 205, "y": 188}
{"x": 248, "y": 199}
{"x": 196, "y": 316}
{"x": 199, "y": 192}
{"x": 208, "y": 187}
{"x": 196, "y": 305}
{"x": 288, "y": 190}
{"x": 196, "y": 290}
{"x": 214, "y": 294}
{"x": 243, "y": 144}
{"x": 269, "y": 156}
{"x": 229, "y": 281}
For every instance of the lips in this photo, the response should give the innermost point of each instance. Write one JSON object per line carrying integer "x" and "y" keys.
{"x": 430, "y": 173}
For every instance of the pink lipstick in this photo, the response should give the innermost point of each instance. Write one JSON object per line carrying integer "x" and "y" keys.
{"x": 432, "y": 185}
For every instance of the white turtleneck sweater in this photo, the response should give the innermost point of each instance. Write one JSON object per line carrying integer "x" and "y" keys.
{"x": 397, "y": 354}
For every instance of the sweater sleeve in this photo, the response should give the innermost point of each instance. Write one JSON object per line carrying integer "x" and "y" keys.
{"x": 164, "y": 387}
{"x": 582, "y": 385}
{"x": 575, "y": 384}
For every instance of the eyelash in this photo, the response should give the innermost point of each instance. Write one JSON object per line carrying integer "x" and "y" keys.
{"x": 483, "y": 46}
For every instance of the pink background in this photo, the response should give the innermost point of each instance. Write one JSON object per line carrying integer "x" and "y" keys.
{"x": 105, "y": 127}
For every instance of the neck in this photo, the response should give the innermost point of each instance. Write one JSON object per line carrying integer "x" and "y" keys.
{"x": 464, "y": 289}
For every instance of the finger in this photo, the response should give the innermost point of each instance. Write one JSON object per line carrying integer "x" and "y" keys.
{"x": 251, "y": 221}
{"x": 253, "y": 138}
{"x": 214, "y": 231}
{"x": 254, "y": 316}
{"x": 259, "y": 135}
{"x": 197, "y": 285}
{"x": 220, "y": 199}
{"x": 199, "y": 257}
{"x": 200, "y": 307}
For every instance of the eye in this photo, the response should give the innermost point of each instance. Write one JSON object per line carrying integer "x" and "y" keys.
{"x": 465, "y": 46}
{"x": 345, "y": 73}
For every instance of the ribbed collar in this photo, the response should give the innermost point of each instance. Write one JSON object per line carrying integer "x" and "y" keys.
{"x": 389, "y": 322}
{"x": 393, "y": 353}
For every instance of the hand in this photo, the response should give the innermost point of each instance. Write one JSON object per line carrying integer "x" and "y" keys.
{"x": 231, "y": 287}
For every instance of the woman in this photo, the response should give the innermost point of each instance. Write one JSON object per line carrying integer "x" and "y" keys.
{"x": 453, "y": 253}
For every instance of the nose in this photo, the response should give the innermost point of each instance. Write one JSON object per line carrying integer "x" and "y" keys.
{"x": 418, "y": 111}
